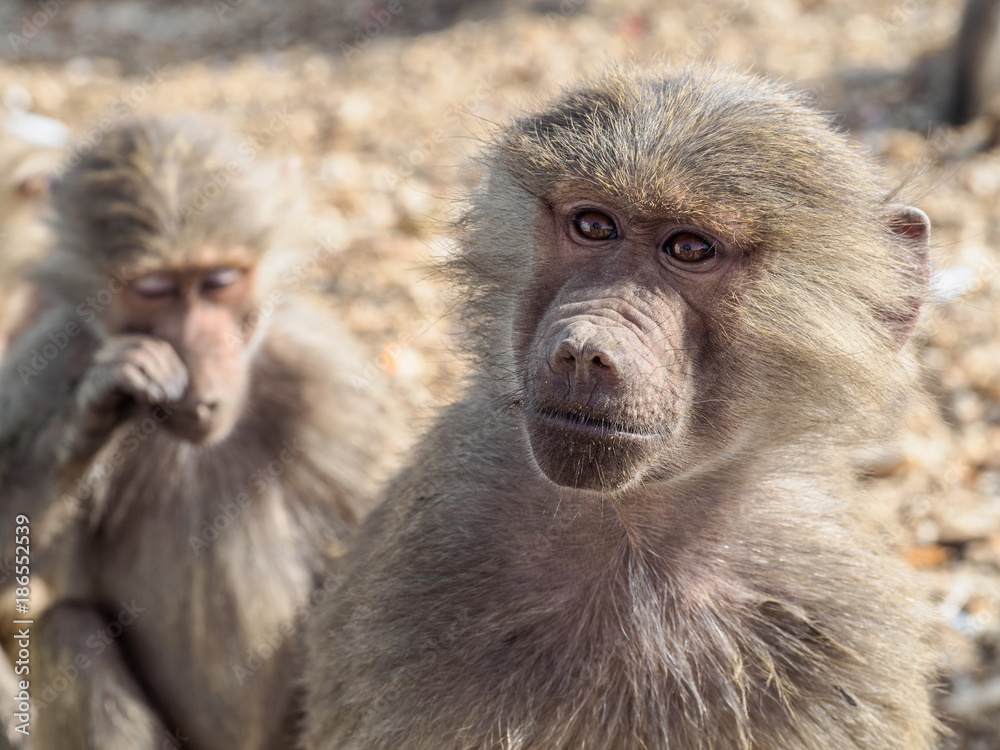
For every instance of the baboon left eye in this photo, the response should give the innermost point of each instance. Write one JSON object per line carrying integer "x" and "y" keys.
{"x": 596, "y": 226}
{"x": 221, "y": 278}
{"x": 686, "y": 247}
{"x": 155, "y": 285}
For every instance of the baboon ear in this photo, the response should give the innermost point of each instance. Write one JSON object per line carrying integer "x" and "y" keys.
{"x": 912, "y": 225}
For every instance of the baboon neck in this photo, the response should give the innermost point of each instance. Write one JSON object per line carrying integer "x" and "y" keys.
{"x": 665, "y": 523}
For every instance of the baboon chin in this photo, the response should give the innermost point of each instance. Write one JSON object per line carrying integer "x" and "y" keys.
{"x": 587, "y": 452}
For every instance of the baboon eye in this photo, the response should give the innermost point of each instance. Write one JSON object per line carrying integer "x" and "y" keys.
{"x": 221, "y": 278}
{"x": 596, "y": 226}
{"x": 688, "y": 248}
{"x": 155, "y": 285}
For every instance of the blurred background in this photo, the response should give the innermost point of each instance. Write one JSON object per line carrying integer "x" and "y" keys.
{"x": 380, "y": 104}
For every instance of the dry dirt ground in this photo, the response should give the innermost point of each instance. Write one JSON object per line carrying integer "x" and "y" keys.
{"x": 383, "y": 102}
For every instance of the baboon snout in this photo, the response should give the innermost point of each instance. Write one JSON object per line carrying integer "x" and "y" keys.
{"x": 586, "y": 355}
{"x": 196, "y": 417}
{"x": 205, "y": 410}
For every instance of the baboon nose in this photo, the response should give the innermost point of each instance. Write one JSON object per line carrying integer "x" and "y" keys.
{"x": 584, "y": 356}
{"x": 205, "y": 410}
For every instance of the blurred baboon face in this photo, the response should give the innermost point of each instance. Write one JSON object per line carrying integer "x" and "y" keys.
{"x": 205, "y": 314}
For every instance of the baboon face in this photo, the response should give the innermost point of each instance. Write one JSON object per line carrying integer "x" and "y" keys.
{"x": 205, "y": 314}
{"x": 186, "y": 244}
{"x": 610, "y": 339}
{"x": 687, "y": 255}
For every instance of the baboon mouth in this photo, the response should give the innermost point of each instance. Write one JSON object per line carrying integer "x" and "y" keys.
{"x": 584, "y": 451}
{"x": 595, "y": 426}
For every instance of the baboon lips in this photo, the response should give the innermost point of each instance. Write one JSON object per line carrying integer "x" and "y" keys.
{"x": 592, "y": 426}
{"x": 586, "y": 452}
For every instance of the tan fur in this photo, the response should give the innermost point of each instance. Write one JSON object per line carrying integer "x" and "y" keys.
{"x": 712, "y": 591}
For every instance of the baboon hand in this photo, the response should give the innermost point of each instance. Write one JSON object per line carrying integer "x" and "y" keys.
{"x": 142, "y": 368}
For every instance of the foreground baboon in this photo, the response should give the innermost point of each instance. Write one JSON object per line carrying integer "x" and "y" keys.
{"x": 688, "y": 302}
{"x": 185, "y": 413}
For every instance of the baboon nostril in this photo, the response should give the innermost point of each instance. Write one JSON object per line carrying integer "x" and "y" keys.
{"x": 583, "y": 355}
{"x": 565, "y": 355}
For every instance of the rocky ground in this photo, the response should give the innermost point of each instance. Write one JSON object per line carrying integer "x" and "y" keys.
{"x": 383, "y": 102}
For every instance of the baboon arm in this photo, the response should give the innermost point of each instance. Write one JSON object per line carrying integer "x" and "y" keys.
{"x": 41, "y": 421}
{"x": 43, "y": 431}
{"x": 85, "y": 695}
{"x": 57, "y": 412}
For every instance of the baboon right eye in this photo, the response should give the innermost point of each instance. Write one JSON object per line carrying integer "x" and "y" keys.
{"x": 594, "y": 225}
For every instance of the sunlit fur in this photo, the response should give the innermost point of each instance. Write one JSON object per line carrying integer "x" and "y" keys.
{"x": 742, "y": 603}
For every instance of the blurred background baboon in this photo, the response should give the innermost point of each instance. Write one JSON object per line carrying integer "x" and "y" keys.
{"x": 379, "y": 100}
{"x": 182, "y": 444}
{"x": 636, "y": 528}
{"x": 26, "y": 169}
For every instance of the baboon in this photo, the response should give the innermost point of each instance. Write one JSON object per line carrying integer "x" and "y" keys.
{"x": 184, "y": 420}
{"x": 976, "y": 85}
{"x": 687, "y": 297}
{"x": 25, "y": 170}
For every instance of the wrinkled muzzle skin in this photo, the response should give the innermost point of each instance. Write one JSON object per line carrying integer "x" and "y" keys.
{"x": 607, "y": 382}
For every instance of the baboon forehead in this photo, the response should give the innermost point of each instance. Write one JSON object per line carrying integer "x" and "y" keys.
{"x": 157, "y": 182}
{"x": 711, "y": 136}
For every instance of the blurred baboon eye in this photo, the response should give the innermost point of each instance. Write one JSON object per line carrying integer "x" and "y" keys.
{"x": 155, "y": 285}
{"x": 688, "y": 248}
{"x": 221, "y": 278}
{"x": 596, "y": 226}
